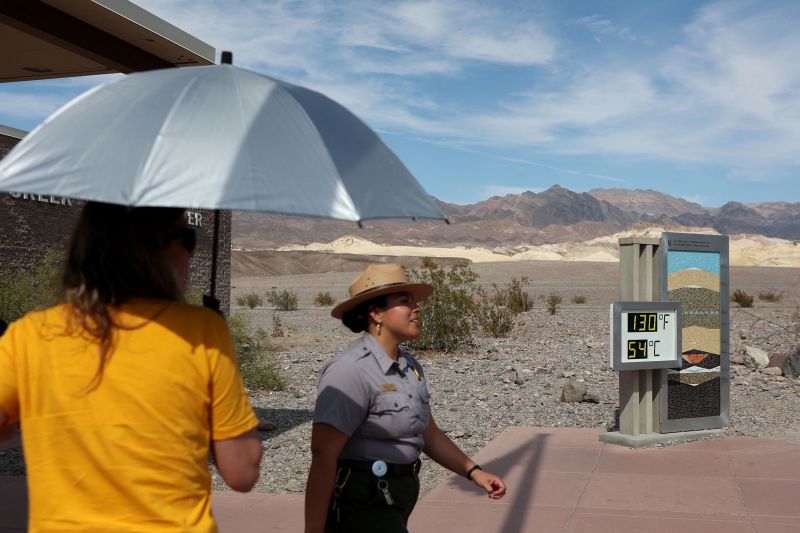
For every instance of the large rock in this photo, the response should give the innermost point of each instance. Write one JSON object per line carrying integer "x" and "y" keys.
{"x": 755, "y": 358}
{"x": 791, "y": 367}
{"x": 573, "y": 392}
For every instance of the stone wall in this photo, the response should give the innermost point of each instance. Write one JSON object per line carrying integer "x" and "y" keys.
{"x": 30, "y": 225}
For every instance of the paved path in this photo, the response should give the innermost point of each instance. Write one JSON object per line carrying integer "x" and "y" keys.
{"x": 565, "y": 480}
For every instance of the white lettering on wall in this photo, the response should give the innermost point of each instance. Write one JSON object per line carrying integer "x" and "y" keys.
{"x": 194, "y": 218}
{"x": 49, "y": 199}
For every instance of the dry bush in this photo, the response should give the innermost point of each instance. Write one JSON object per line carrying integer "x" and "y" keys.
{"x": 769, "y": 296}
{"x": 250, "y": 300}
{"x": 496, "y": 321}
{"x": 324, "y": 299}
{"x": 30, "y": 289}
{"x": 277, "y": 326}
{"x": 450, "y": 312}
{"x": 283, "y": 300}
{"x": 193, "y": 296}
{"x": 741, "y": 298}
{"x": 553, "y": 302}
{"x": 255, "y": 356}
{"x": 579, "y": 299}
{"x": 512, "y": 296}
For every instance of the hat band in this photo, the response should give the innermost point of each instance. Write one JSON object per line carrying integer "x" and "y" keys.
{"x": 379, "y": 287}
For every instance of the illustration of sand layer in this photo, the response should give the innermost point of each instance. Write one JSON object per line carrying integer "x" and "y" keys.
{"x": 702, "y": 339}
{"x": 694, "y": 375}
{"x": 696, "y": 299}
{"x": 693, "y": 277}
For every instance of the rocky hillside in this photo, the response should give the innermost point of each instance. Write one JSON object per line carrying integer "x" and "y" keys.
{"x": 556, "y": 215}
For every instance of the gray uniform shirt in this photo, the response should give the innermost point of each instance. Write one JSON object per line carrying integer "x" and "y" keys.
{"x": 381, "y": 405}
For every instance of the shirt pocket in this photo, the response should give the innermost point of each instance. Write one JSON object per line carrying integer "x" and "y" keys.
{"x": 389, "y": 416}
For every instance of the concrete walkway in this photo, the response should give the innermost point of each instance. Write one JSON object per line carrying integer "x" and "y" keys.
{"x": 565, "y": 480}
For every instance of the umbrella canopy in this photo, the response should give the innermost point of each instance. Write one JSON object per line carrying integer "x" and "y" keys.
{"x": 215, "y": 137}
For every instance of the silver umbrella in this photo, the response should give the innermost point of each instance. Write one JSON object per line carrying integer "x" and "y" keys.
{"x": 215, "y": 137}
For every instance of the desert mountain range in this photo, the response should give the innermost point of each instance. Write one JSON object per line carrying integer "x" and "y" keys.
{"x": 554, "y": 216}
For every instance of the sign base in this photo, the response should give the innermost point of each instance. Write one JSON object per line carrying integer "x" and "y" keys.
{"x": 648, "y": 440}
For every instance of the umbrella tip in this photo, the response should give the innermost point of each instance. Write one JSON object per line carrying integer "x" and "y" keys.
{"x": 226, "y": 58}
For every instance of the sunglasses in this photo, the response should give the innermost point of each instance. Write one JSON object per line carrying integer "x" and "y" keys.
{"x": 187, "y": 236}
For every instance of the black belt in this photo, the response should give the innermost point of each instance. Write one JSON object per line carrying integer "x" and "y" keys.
{"x": 391, "y": 468}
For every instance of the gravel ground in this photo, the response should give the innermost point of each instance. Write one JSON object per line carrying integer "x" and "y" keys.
{"x": 516, "y": 381}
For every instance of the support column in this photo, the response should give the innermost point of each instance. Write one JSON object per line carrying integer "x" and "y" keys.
{"x": 638, "y": 389}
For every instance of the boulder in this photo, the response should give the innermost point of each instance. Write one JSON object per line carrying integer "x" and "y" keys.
{"x": 755, "y": 358}
{"x": 791, "y": 366}
{"x": 591, "y": 398}
{"x": 772, "y": 371}
{"x": 573, "y": 392}
{"x": 777, "y": 360}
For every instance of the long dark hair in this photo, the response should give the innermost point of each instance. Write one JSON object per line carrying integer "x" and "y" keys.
{"x": 116, "y": 253}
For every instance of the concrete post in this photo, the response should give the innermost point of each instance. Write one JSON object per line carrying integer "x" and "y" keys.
{"x": 639, "y": 389}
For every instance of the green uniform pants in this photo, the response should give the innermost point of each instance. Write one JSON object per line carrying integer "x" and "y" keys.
{"x": 359, "y": 506}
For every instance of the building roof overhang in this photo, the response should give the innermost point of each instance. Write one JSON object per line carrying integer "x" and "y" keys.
{"x": 60, "y": 38}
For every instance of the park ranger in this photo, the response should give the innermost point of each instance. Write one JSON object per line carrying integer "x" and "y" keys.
{"x": 373, "y": 418}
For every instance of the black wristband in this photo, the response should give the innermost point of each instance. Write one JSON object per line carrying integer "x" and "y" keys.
{"x": 471, "y": 470}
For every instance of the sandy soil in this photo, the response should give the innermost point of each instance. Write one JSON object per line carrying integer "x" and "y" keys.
{"x": 745, "y": 250}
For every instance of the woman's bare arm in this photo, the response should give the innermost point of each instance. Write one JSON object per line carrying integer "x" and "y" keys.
{"x": 441, "y": 449}
{"x": 327, "y": 443}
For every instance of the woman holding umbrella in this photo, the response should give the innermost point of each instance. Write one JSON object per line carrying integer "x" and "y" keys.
{"x": 372, "y": 417}
{"x": 122, "y": 390}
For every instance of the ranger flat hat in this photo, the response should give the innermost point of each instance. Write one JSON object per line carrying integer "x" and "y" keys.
{"x": 377, "y": 280}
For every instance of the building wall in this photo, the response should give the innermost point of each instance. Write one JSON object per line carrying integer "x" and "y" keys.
{"x": 31, "y": 225}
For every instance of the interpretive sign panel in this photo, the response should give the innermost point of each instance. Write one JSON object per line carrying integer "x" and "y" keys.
{"x": 694, "y": 271}
{"x": 645, "y": 335}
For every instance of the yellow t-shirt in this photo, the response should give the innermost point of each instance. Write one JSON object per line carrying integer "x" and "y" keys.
{"x": 131, "y": 454}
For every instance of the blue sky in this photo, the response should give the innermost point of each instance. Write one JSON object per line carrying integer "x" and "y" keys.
{"x": 695, "y": 99}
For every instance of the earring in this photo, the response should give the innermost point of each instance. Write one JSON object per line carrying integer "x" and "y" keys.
{"x": 380, "y": 325}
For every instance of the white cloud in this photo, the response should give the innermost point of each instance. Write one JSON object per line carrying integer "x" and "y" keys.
{"x": 603, "y": 28}
{"x": 27, "y": 106}
{"x": 727, "y": 93}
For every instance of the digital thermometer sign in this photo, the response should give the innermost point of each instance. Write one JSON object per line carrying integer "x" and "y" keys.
{"x": 645, "y": 335}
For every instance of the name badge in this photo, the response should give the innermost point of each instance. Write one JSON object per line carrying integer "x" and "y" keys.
{"x": 388, "y": 387}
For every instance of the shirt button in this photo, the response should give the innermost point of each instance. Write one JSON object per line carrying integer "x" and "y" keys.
{"x": 410, "y": 396}
{"x": 395, "y": 404}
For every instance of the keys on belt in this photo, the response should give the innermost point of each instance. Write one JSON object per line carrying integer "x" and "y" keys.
{"x": 379, "y": 469}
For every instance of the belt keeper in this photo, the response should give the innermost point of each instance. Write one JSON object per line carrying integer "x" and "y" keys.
{"x": 471, "y": 470}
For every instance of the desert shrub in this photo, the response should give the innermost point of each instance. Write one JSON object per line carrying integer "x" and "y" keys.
{"x": 513, "y": 297}
{"x": 254, "y": 352}
{"x": 553, "y": 302}
{"x": 193, "y": 296}
{"x": 323, "y": 299}
{"x": 495, "y": 320}
{"x": 30, "y": 289}
{"x": 741, "y": 298}
{"x": 579, "y": 299}
{"x": 770, "y": 296}
{"x": 448, "y": 315}
{"x": 277, "y": 326}
{"x": 283, "y": 300}
{"x": 250, "y": 300}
